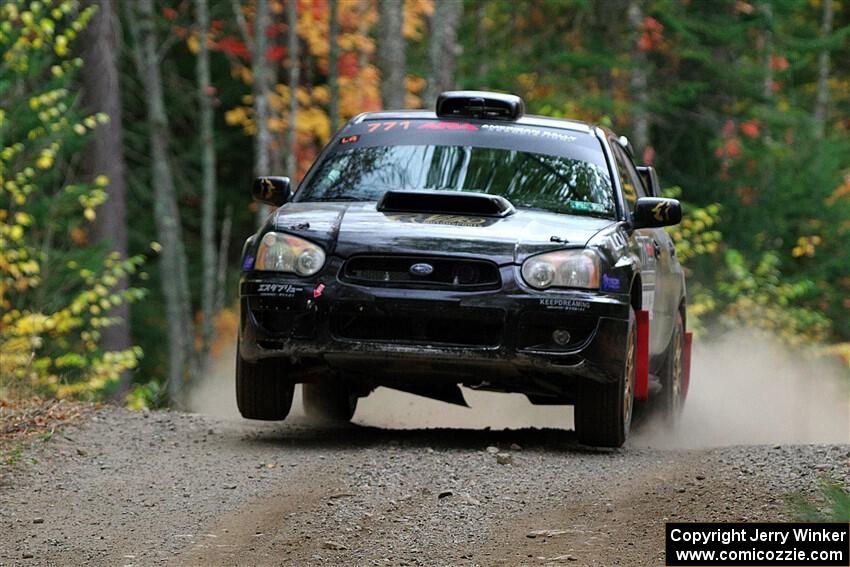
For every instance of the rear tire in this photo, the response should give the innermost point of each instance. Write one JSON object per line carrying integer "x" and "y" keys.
{"x": 262, "y": 389}
{"x": 329, "y": 401}
{"x": 672, "y": 397}
{"x": 603, "y": 414}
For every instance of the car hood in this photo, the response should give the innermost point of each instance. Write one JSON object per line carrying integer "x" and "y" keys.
{"x": 348, "y": 228}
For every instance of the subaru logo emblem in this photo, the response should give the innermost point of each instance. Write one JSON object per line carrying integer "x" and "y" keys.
{"x": 422, "y": 269}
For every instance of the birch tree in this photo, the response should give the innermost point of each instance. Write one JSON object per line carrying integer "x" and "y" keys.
{"x": 638, "y": 80}
{"x": 294, "y": 74}
{"x": 333, "y": 64}
{"x": 391, "y": 53}
{"x": 173, "y": 267}
{"x": 261, "y": 75}
{"x": 101, "y": 93}
{"x": 822, "y": 97}
{"x": 208, "y": 180}
{"x": 443, "y": 47}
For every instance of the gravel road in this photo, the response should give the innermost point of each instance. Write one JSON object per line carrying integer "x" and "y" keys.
{"x": 162, "y": 488}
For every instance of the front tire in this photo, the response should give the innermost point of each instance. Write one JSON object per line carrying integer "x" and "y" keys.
{"x": 262, "y": 389}
{"x": 329, "y": 401}
{"x": 603, "y": 414}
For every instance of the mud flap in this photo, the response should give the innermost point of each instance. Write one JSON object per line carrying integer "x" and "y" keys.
{"x": 642, "y": 362}
{"x": 686, "y": 371}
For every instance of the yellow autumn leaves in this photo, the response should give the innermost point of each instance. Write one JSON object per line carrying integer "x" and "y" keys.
{"x": 30, "y": 27}
{"x": 359, "y": 79}
{"x": 55, "y": 295}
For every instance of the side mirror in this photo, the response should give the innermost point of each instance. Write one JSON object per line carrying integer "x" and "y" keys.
{"x": 272, "y": 190}
{"x": 650, "y": 180}
{"x": 653, "y": 212}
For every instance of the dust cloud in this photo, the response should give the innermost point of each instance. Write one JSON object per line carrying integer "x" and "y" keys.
{"x": 745, "y": 390}
{"x": 215, "y": 395}
{"x": 749, "y": 389}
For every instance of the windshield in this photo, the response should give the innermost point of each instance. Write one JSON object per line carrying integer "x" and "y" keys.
{"x": 526, "y": 179}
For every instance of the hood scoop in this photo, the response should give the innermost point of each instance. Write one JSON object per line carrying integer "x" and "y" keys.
{"x": 446, "y": 202}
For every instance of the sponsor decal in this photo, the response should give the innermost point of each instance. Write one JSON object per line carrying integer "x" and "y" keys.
{"x": 349, "y": 139}
{"x": 565, "y": 304}
{"x": 618, "y": 241}
{"x": 277, "y": 289}
{"x": 266, "y": 188}
{"x": 248, "y": 263}
{"x": 587, "y": 207}
{"x": 611, "y": 282}
{"x": 525, "y": 131}
{"x": 449, "y": 220}
{"x": 661, "y": 211}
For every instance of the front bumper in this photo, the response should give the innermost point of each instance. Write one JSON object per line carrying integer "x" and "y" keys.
{"x": 497, "y": 339}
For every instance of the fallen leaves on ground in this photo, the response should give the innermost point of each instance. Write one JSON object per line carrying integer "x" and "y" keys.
{"x": 21, "y": 420}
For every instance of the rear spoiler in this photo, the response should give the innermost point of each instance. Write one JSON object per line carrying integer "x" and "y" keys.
{"x": 446, "y": 202}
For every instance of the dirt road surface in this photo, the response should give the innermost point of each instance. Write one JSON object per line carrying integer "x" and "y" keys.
{"x": 415, "y": 482}
{"x": 177, "y": 489}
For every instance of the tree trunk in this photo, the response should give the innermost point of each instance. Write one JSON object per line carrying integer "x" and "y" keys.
{"x": 638, "y": 82}
{"x": 482, "y": 40}
{"x": 101, "y": 93}
{"x": 443, "y": 48}
{"x": 208, "y": 182}
{"x": 294, "y": 73}
{"x": 173, "y": 267}
{"x": 261, "y": 74}
{"x": 767, "y": 48}
{"x": 362, "y": 54}
{"x": 224, "y": 243}
{"x": 391, "y": 56}
{"x": 333, "y": 65}
{"x": 822, "y": 97}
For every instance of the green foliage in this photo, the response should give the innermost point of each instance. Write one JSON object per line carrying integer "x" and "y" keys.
{"x": 730, "y": 98}
{"x": 834, "y": 505}
{"x": 12, "y": 456}
{"x": 731, "y": 89}
{"x": 56, "y": 290}
{"x": 151, "y": 394}
{"x": 741, "y": 293}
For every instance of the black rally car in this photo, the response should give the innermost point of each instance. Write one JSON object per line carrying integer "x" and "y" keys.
{"x": 472, "y": 245}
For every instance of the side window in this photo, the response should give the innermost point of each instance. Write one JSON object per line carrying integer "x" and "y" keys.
{"x": 629, "y": 178}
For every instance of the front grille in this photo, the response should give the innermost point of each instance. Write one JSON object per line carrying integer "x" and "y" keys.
{"x": 446, "y": 273}
{"x": 448, "y": 326}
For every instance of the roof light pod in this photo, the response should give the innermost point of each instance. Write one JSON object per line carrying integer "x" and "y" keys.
{"x": 480, "y": 104}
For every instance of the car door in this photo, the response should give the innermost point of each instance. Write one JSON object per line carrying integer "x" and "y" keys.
{"x": 654, "y": 249}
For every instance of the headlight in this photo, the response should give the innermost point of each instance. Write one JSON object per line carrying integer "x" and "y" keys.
{"x": 281, "y": 252}
{"x": 564, "y": 268}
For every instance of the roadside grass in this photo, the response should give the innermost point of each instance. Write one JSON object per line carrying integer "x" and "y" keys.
{"x": 832, "y": 504}
{"x": 12, "y": 456}
{"x": 24, "y": 421}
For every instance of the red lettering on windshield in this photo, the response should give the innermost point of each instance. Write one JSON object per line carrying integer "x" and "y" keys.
{"x": 446, "y": 126}
{"x": 387, "y": 126}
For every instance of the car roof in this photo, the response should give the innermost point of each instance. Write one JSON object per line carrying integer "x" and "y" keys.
{"x": 524, "y": 120}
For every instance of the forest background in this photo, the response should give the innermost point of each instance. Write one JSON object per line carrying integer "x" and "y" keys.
{"x": 130, "y": 132}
